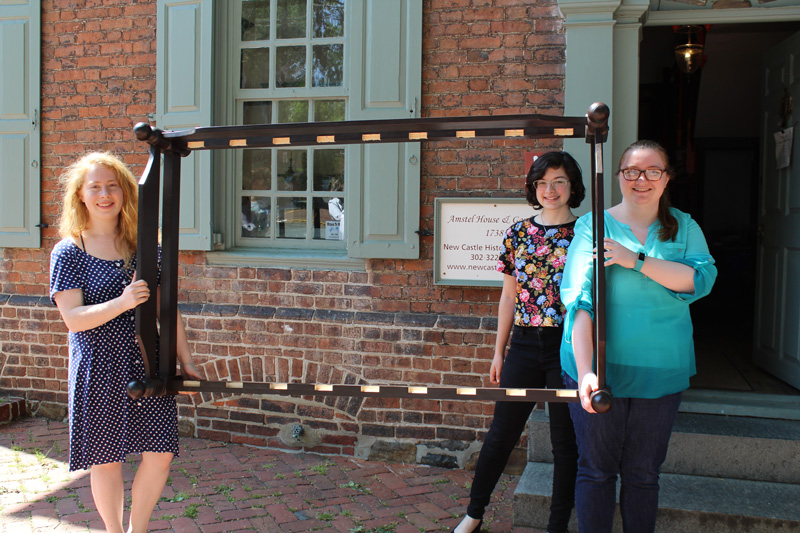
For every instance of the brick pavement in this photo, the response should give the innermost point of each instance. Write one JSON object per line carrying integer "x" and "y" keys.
{"x": 218, "y": 487}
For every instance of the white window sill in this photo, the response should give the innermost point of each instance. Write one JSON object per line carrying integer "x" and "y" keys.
{"x": 301, "y": 259}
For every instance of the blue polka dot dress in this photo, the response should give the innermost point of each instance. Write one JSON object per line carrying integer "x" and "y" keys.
{"x": 104, "y": 423}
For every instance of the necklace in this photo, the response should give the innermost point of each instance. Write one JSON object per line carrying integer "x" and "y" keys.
{"x": 551, "y": 226}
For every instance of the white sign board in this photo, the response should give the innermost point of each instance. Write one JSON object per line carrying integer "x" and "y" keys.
{"x": 469, "y": 238}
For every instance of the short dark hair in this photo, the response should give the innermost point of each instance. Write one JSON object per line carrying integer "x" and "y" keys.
{"x": 556, "y": 160}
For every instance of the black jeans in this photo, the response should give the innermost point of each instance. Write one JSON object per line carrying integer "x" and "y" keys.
{"x": 533, "y": 361}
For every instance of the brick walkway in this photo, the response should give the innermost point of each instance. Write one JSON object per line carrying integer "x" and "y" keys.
{"x": 216, "y": 487}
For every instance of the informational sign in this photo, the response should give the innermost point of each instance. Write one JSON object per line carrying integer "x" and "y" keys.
{"x": 333, "y": 230}
{"x": 469, "y": 238}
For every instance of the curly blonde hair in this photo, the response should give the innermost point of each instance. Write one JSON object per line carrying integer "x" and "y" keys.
{"x": 75, "y": 216}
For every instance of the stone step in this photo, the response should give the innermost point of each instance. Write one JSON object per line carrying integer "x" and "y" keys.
{"x": 686, "y": 503}
{"x": 737, "y": 403}
{"x": 733, "y": 447}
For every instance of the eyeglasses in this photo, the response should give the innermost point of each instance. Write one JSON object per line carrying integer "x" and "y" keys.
{"x": 558, "y": 184}
{"x": 633, "y": 173}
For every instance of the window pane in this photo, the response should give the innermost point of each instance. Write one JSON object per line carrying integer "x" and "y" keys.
{"x": 329, "y": 170}
{"x": 293, "y": 111}
{"x": 292, "y": 165}
{"x": 328, "y": 110}
{"x": 291, "y": 196}
{"x": 255, "y": 216}
{"x": 291, "y": 20}
{"x": 290, "y": 66}
{"x": 255, "y": 68}
{"x": 292, "y": 217}
{"x": 255, "y": 20}
{"x": 329, "y": 211}
{"x": 257, "y": 113}
{"x": 328, "y": 18}
{"x": 327, "y": 67}
{"x": 256, "y": 170}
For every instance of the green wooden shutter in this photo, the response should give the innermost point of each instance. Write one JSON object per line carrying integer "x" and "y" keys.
{"x": 384, "y": 66}
{"x": 20, "y": 148}
{"x": 183, "y": 88}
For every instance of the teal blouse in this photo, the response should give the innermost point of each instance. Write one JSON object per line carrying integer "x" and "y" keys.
{"x": 649, "y": 346}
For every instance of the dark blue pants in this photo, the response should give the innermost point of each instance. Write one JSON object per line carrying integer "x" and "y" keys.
{"x": 533, "y": 361}
{"x": 631, "y": 441}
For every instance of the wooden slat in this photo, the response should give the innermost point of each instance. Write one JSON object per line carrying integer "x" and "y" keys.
{"x": 378, "y": 391}
{"x": 377, "y": 131}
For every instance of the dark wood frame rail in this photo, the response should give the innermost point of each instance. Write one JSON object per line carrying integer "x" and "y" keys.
{"x": 174, "y": 145}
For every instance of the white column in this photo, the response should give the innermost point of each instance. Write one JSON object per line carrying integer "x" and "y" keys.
{"x": 603, "y": 65}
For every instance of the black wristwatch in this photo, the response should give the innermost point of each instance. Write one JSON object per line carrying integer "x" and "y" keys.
{"x": 639, "y": 262}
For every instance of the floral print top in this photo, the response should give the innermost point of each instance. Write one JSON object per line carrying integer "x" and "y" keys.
{"x": 535, "y": 256}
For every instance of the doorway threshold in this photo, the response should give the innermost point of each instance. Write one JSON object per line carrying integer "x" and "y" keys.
{"x": 735, "y": 403}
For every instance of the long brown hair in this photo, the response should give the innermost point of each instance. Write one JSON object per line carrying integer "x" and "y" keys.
{"x": 669, "y": 224}
{"x": 75, "y": 216}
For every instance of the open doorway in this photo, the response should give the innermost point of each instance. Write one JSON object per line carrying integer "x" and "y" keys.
{"x": 709, "y": 122}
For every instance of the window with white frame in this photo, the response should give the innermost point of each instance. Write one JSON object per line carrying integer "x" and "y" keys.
{"x": 245, "y": 62}
{"x": 291, "y": 61}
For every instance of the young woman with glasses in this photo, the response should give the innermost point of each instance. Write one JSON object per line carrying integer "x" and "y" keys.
{"x": 531, "y": 313}
{"x": 657, "y": 263}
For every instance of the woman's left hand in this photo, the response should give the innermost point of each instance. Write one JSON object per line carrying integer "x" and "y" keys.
{"x": 189, "y": 371}
{"x": 616, "y": 254}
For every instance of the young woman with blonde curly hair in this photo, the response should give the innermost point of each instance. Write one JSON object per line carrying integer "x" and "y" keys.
{"x": 93, "y": 283}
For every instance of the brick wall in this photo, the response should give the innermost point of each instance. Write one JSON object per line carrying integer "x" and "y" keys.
{"x": 387, "y": 324}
